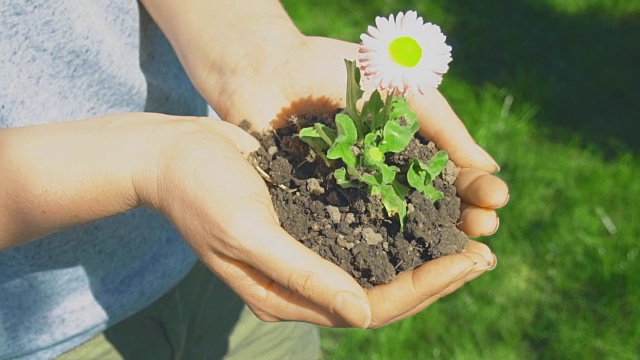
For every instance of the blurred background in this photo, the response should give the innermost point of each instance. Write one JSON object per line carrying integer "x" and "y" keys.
{"x": 550, "y": 89}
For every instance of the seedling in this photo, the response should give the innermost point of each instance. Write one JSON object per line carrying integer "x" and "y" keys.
{"x": 358, "y": 144}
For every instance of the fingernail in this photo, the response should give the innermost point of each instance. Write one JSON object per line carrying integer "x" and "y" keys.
{"x": 478, "y": 269}
{"x": 491, "y": 265}
{"x": 353, "y": 310}
{"x": 486, "y": 155}
{"x": 505, "y": 201}
{"x": 495, "y": 262}
{"x": 496, "y": 228}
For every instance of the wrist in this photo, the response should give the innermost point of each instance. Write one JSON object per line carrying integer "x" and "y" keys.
{"x": 242, "y": 55}
{"x": 166, "y": 140}
{"x": 192, "y": 159}
{"x": 63, "y": 174}
{"x": 222, "y": 43}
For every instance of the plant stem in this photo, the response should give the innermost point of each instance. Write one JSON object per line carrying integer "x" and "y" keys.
{"x": 387, "y": 107}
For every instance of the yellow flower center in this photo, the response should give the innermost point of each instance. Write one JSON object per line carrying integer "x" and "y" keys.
{"x": 405, "y": 51}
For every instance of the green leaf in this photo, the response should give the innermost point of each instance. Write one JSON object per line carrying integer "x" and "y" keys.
{"x": 432, "y": 193}
{"x": 326, "y": 133}
{"x": 390, "y": 199}
{"x": 342, "y": 179}
{"x": 388, "y": 172}
{"x": 402, "y": 125}
{"x": 402, "y": 214}
{"x": 311, "y": 137}
{"x": 437, "y": 163}
{"x": 397, "y": 134}
{"x": 372, "y": 180}
{"x": 401, "y": 190}
{"x": 317, "y": 140}
{"x": 346, "y": 137}
{"x": 393, "y": 202}
{"x": 417, "y": 175}
{"x": 371, "y": 140}
{"x": 420, "y": 177}
{"x": 372, "y": 154}
{"x": 400, "y": 108}
{"x": 375, "y": 190}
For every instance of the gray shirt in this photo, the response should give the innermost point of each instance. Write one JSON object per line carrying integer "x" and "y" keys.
{"x": 64, "y": 60}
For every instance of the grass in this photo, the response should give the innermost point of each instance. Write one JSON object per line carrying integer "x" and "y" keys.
{"x": 548, "y": 87}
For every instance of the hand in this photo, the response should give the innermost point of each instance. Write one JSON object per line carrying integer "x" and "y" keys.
{"x": 310, "y": 77}
{"x": 223, "y": 210}
{"x": 190, "y": 169}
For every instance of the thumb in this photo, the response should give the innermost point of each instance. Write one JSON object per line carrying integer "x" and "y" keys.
{"x": 233, "y": 227}
{"x": 440, "y": 124}
{"x": 239, "y": 138}
{"x": 287, "y": 264}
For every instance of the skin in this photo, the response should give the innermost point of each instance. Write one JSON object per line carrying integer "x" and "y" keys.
{"x": 193, "y": 170}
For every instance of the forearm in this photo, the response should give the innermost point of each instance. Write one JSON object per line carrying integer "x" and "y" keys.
{"x": 217, "y": 40}
{"x": 58, "y": 175}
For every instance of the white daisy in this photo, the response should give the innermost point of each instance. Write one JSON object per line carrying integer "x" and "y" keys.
{"x": 404, "y": 54}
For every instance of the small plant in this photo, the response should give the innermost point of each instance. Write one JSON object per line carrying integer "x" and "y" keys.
{"x": 361, "y": 140}
{"x": 401, "y": 55}
{"x": 385, "y": 223}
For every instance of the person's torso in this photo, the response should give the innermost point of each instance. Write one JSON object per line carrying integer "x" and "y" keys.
{"x": 69, "y": 60}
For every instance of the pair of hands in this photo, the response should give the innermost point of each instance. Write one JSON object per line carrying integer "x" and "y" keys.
{"x": 223, "y": 209}
{"x": 194, "y": 171}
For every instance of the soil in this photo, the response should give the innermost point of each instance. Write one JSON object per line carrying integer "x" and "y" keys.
{"x": 349, "y": 227}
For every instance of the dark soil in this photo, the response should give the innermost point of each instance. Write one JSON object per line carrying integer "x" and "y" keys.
{"x": 349, "y": 227}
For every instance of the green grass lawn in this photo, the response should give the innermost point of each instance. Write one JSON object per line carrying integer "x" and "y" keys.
{"x": 549, "y": 88}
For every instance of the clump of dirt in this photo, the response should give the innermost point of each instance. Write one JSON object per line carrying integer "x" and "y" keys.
{"x": 348, "y": 226}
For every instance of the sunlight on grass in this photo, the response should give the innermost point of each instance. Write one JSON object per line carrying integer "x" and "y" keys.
{"x": 566, "y": 285}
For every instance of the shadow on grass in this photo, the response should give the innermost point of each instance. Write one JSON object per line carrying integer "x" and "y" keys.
{"x": 581, "y": 70}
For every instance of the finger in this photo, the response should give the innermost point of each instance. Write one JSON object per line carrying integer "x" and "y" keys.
{"x": 476, "y": 221}
{"x": 432, "y": 299}
{"x": 481, "y": 189}
{"x": 243, "y": 226}
{"x": 448, "y": 290}
{"x": 248, "y": 232}
{"x": 264, "y": 99}
{"x": 291, "y": 265}
{"x": 270, "y": 301}
{"x": 451, "y": 288}
{"x": 242, "y": 141}
{"x": 477, "y": 272}
{"x": 415, "y": 287}
{"x": 440, "y": 124}
{"x": 456, "y": 284}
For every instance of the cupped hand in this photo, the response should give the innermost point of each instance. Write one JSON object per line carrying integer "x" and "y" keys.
{"x": 309, "y": 76}
{"x": 221, "y": 206}
{"x": 280, "y": 279}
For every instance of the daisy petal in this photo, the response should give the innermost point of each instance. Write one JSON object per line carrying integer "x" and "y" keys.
{"x": 407, "y": 65}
